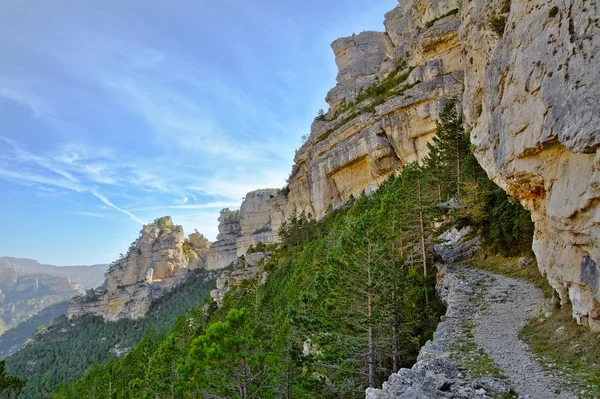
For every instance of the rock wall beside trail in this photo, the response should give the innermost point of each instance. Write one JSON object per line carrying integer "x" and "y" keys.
{"x": 533, "y": 98}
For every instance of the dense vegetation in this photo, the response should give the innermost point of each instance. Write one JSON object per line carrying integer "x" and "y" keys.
{"x": 348, "y": 299}
{"x": 10, "y": 385}
{"x": 67, "y": 348}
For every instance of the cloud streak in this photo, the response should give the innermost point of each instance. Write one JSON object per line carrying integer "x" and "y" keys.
{"x": 113, "y": 206}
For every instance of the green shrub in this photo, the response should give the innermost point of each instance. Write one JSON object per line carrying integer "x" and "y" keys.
{"x": 498, "y": 24}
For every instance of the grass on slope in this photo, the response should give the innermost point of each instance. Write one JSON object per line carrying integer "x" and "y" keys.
{"x": 568, "y": 349}
{"x": 507, "y": 266}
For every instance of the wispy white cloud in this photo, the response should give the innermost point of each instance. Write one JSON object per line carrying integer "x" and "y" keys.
{"x": 110, "y": 204}
{"x": 209, "y": 205}
{"x": 27, "y": 178}
{"x": 52, "y": 173}
{"x": 39, "y": 108}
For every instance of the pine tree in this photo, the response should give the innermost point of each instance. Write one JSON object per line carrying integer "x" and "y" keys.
{"x": 228, "y": 361}
{"x": 10, "y": 385}
{"x": 448, "y": 149}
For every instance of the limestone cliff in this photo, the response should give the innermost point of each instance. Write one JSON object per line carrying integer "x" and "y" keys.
{"x": 532, "y": 95}
{"x": 366, "y": 135}
{"x": 527, "y": 76}
{"x": 159, "y": 259}
{"x": 383, "y": 110}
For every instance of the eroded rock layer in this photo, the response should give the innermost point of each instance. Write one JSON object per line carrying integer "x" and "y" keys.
{"x": 367, "y": 134}
{"x": 159, "y": 259}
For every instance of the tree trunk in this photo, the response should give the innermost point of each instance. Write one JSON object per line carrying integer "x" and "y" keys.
{"x": 422, "y": 225}
{"x": 395, "y": 334}
{"x": 244, "y": 387}
{"x": 458, "y": 166}
{"x": 371, "y": 356}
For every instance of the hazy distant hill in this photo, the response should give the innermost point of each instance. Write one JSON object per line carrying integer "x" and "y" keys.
{"x": 86, "y": 276}
{"x": 27, "y": 287}
{"x": 14, "y": 339}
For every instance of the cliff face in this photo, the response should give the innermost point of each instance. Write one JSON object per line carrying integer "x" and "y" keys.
{"x": 533, "y": 98}
{"x": 159, "y": 259}
{"x": 368, "y": 134}
{"x": 527, "y": 76}
{"x": 252, "y": 224}
{"x": 364, "y": 137}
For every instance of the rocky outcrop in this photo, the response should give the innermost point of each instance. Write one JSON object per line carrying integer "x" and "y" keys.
{"x": 250, "y": 267}
{"x": 457, "y": 245}
{"x": 158, "y": 260}
{"x": 366, "y": 135}
{"x": 238, "y": 230}
{"x": 532, "y": 97}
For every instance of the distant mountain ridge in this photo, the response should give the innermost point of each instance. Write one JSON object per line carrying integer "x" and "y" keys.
{"x": 86, "y": 276}
{"x": 27, "y": 287}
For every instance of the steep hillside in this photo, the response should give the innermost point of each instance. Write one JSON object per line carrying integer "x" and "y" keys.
{"x": 383, "y": 111}
{"x": 343, "y": 294}
{"x": 27, "y": 288}
{"x": 23, "y": 295}
{"x": 15, "y": 338}
{"x": 335, "y": 305}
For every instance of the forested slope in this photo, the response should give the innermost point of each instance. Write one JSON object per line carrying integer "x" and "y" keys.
{"x": 67, "y": 348}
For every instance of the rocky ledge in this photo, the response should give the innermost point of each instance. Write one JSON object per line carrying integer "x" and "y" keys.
{"x": 248, "y": 266}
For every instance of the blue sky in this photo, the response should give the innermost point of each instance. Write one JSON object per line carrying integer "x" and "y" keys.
{"x": 116, "y": 112}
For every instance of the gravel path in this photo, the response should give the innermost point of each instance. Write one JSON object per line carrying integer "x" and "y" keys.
{"x": 476, "y": 352}
{"x": 509, "y": 303}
